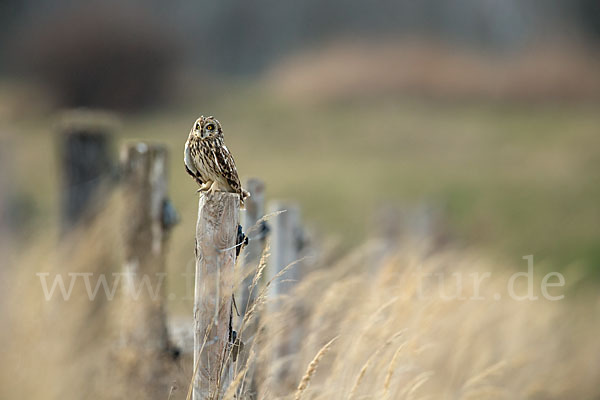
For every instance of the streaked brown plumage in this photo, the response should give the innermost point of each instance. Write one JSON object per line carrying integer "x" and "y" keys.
{"x": 209, "y": 161}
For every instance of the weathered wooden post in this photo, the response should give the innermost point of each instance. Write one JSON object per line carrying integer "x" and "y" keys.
{"x": 216, "y": 237}
{"x": 257, "y": 233}
{"x": 86, "y": 162}
{"x": 423, "y": 224}
{"x": 255, "y": 208}
{"x": 147, "y": 220}
{"x": 286, "y": 242}
{"x": 287, "y": 237}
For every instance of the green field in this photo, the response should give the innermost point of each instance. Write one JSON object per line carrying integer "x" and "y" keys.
{"x": 512, "y": 179}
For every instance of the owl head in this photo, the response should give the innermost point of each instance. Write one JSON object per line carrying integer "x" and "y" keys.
{"x": 207, "y": 126}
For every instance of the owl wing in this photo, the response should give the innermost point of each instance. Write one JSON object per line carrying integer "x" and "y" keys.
{"x": 227, "y": 168}
{"x": 188, "y": 160}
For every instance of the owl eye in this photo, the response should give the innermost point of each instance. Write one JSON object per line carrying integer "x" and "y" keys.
{"x": 210, "y": 127}
{"x": 197, "y": 127}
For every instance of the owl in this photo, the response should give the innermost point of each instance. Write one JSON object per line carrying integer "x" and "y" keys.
{"x": 208, "y": 160}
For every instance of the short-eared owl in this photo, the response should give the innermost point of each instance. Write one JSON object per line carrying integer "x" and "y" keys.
{"x": 208, "y": 160}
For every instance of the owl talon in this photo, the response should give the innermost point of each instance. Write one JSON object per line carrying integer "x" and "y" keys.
{"x": 213, "y": 188}
{"x": 205, "y": 186}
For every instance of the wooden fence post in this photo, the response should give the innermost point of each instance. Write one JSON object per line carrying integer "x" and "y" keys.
{"x": 216, "y": 237}
{"x": 255, "y": 209}
{"x": 423, "y": 223}
{"x": 86, "y": 163}
{"x": 287, "y": 239}
{"x": 147, "y": 220}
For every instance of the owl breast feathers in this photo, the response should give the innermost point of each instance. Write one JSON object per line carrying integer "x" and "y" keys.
{"x": 208, "y": 160}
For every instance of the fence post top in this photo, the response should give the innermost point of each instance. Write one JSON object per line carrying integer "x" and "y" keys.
{"x": 138, "y": 148}
{"x": 219, "y": 196}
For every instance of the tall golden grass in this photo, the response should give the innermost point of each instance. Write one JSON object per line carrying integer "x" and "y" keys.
{"x": 371, "y": 326}
{"x": 399, "y": 336}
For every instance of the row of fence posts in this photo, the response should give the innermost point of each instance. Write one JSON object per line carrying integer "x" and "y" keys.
{"x": 149, "y": 216}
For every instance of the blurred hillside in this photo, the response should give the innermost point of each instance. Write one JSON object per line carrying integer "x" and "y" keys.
{"x": 237, "y": 37}
{"x": 234, "y": 38}
{"x": 367, "y": 70}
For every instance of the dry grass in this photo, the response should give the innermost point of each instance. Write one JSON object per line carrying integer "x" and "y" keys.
{"x": 312, "y": 368}
{"x": 397, "y": 337}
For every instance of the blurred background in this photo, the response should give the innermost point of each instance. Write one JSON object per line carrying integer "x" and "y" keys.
{"x": 484, "y": 113}
{"x": 486, "y": 109}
